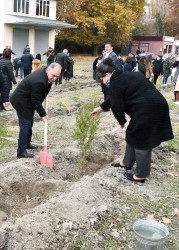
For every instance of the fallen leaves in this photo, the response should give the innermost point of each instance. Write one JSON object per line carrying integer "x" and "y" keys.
{"x": 166, "y": 220}
{"x": 150, "y": 217}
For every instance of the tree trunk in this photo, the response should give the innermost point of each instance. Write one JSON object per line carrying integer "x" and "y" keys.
{"x": 95, "y": 50}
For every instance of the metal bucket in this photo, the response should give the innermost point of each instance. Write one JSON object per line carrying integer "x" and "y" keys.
{"x": 149, "y": 235}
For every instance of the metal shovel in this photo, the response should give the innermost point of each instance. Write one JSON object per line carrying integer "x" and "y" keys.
{"x": 46, "y": 159}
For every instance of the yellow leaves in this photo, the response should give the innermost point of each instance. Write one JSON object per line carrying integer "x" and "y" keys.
{"x": 113, "y": 19}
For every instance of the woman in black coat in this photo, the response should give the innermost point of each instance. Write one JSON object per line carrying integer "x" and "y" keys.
{"x": 133, "y": 94}
{"x": 68, "y": 74}
{"x": 7, "y": 68}
{"x": 4, "y": 93}
{"x": 157, "y": 68}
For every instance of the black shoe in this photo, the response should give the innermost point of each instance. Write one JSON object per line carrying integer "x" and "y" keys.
{"x": 117, "y": 165}
{"x": 30, "y": 146}
{"x": 25, "y": 155}
{"x": 130, "y": 177}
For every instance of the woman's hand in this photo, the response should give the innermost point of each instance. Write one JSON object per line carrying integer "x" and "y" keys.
{"x": 96, "y": 111}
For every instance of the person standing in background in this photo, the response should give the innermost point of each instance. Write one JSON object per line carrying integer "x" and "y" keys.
{"x": 7, "y": 69}
{"x": 157, "y": 68}
{"x": 50, "y": 55}
{"x": 128, "y": 64}
{"x": 109, "y": 52}
{"x": 17, "y": 66}
{"x": 25, "y": 49}
{"x": 4, "y": 92}
{"x": 36, "y": 64}
{"x": 26, "y": 60}
{"x": 167, "y": 69}
{"x": 61, "y": 59}
{"x": 141, "y": 65}
{"x": 12, "y": 52}
{"x": 69, "y": 73}
{"x": 149, "y": 67}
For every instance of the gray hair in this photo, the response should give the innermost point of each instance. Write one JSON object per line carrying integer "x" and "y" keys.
{"x": 65, "y": 51}
{"x": 54, "y": 65}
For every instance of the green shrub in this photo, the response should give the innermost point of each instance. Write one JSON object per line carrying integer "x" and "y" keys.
{"x": 85, "y": 130}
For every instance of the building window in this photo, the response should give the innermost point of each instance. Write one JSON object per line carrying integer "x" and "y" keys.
{"x": 42, "y": 8}
{"x": 169, "y": 48}
{"x": 21, "y": 6}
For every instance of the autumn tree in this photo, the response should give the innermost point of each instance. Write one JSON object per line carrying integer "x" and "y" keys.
{"x": 98, "y": 21}
{"x": 172, "y": 19}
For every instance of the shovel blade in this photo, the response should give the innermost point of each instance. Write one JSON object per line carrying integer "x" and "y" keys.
{"x": 46, "y": 159}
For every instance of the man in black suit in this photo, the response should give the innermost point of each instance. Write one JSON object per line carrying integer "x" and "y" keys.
{"x": 61, "y": 58}
{"x": 27, "y": 98}
{"x": 26, "y": 61}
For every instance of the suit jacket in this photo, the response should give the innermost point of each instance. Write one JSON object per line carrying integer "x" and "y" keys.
{"x": 113, "y": 56}
{"x": 3, "y": 88}
{"x": 30, "y": 93}
{"x": 61, "y": 58}
{"x": 26, "y": 60}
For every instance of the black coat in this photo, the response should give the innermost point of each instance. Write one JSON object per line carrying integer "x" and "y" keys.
{"x": 26, "y": 60}
{"x": 61, "y": 58}
{"x": 3, "y": 88}
{"x": 142, "y": 68}
{"x": 7, "y": 69}
{"x": 69, "y": 73}
{"x": 133, "y": 94}
{"x": 30, "y": 93}
{"x": 158, "y": 67}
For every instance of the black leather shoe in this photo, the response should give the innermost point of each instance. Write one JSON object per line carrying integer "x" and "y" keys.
{"x": 25, "y": 155}
{"x": 30, "y": 146}
{"x": 117, "y": 165}
{"x": 130, "y": 177}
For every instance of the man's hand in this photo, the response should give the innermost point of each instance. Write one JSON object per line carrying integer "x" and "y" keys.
{"x": 96, "y": 111}
{"x": 45, "y": 118}
{"x": 5, "y": 104}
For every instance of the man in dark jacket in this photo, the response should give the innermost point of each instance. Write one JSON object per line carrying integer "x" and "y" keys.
{"x": 27, "y": 98}
{"x": 61, "y": 58}
{"x": 4, "y": 92}
{"x": 26, "y": 61}
{"x": 148, "y": 111}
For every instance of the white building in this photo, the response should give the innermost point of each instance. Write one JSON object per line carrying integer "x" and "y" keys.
{"x": 30, "y": 22}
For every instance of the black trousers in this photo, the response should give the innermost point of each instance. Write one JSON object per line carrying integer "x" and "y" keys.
{"x": 155, "y": 79}
{"x": 25, "y": 133}
{"x": 27, "y": 72}
{"x": 142, "y": 159}
{"x": 60, "y": 78}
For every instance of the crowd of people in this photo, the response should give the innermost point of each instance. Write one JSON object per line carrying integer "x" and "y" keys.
{"x": 125, "y": 91}
{"x": 150, "y": 68}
